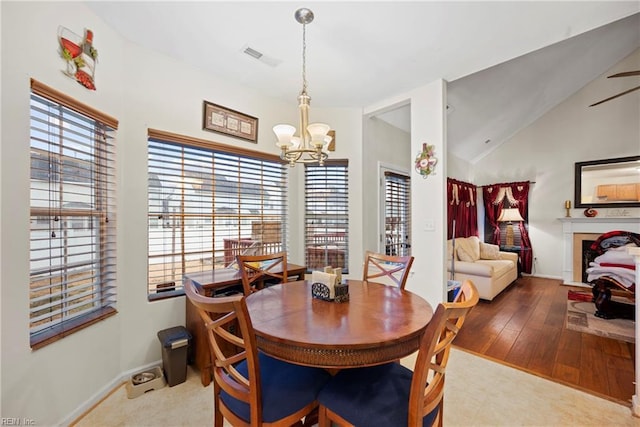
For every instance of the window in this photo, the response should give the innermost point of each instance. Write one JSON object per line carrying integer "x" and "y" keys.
{"x": 208, "y": 203}
{"x": 397, "y": 214}
{"x": 327, "y": 215}
{"x": 72, "y": 239}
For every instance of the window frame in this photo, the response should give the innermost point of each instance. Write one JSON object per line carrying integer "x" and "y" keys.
{"x": 396, "y": 213}
{"x": 72, "y": 157}
{"x": 251, "y": 212}
{"x": 335, "y": 236}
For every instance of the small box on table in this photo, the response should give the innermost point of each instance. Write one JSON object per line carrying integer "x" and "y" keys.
{"x": 327, "y": 285}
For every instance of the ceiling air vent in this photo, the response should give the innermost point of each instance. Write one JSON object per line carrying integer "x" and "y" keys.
{"x": 252, "y": 52}
{"x": 272, "y": 62}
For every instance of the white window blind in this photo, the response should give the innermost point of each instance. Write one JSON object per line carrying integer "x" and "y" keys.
{"x": 208, "y": 204}
{"x": 397, "y": 214}
{"x": 72, "y": 238}
{"x": 327, "y": 215}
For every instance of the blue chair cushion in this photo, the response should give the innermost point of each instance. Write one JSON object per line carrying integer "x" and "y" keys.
{"x": 372, "y": 397}
{"x": 286, "y": 388}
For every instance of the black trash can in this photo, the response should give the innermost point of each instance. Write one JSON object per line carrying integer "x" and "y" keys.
{"x": 175, "y": 345}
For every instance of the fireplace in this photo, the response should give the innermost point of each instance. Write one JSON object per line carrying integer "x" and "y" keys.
{"x": 588, "y": 256}
{"x": 579, "y": 230}
{"x": 581, "y": 243}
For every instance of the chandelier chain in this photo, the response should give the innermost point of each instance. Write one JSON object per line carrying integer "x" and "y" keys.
{"x": 304, "y": 59}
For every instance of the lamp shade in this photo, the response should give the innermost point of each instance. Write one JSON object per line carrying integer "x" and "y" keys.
{"x": 318, "y": 131}
{"x": 511, "y": 214}
{"x": 284, "y": 134}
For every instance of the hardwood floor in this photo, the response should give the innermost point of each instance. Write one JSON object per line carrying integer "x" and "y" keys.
{"x": 524, "y": 327}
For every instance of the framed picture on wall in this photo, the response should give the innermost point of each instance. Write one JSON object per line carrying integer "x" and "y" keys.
{"x": 216, "y": 118}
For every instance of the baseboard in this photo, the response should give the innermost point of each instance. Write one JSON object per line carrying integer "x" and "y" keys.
{"x": 103, "y": 393}
{"x": 542, "y": 276}
{"x": 635, "y": 405}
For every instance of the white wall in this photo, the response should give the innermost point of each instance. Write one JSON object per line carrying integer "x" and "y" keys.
{"x": 545, "y": 152}
{"x": 459, "y": 169}
{"x": 390, "y": 145}
{"x": 143, "y": 90}
{"x": 428, "y": 195}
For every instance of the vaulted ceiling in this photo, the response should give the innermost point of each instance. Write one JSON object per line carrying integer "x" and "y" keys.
{"x": 506, "y": 62}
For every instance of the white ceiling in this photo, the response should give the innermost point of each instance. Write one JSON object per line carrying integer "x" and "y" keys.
{"x": 361, "y": 53}
{"x": 495, "y": 103}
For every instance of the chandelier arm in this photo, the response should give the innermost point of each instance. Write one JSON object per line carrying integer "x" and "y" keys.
{"x": 297, "y": 156}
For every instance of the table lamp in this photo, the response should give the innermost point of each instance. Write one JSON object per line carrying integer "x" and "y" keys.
{"x": 508, "y": 216}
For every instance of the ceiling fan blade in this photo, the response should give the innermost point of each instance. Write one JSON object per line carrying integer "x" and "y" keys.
{"x": 615, "y": 96}
{"x": 626, "y": 74}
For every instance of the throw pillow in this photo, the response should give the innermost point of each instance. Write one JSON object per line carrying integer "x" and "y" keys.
{"x": 468, "y": 249}
{"x": 489, "y": 251}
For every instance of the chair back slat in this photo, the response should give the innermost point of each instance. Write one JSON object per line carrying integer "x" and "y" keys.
{"x": 259, "y": 271}
{"x": 231, "y": 341}
{"x": 387, "y": 269}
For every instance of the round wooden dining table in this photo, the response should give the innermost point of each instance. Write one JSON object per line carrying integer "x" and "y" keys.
{"x": 378, "y": 324}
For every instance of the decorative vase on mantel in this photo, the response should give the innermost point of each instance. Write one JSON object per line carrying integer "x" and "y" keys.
{"x": 590, "y": 212}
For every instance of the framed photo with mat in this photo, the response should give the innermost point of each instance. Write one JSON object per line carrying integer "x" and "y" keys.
{"x": 216, "y": 118}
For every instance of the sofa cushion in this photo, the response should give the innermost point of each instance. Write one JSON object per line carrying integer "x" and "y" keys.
{"x": 477, "y": 268}
{"x": 498, "y": 267}
{"x": 468, "y": 249}
{"x": 489, "y": 251}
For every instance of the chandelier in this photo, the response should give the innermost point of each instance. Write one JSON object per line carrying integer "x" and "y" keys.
{"x": 311, "y": 145}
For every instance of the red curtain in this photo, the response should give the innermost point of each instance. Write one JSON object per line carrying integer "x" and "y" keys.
{"x": 461, "y": 207}
{"x": 513, "y": 195}
{"x": 492, "y": 211}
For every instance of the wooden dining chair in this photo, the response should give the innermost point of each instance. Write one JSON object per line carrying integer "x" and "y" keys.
{"x": 391, "y": 394}
{"x": 259, "y": 271}
{"x": 251, "y": 388}
{"x": 387, "y": 269}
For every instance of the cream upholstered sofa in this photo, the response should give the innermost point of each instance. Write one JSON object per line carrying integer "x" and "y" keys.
{"x": 484, "y": 264}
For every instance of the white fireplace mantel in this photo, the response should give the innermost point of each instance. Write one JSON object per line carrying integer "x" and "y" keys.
{"x": 571, "y": 225}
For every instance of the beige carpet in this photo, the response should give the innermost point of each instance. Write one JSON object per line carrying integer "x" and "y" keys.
{"x": 478, "y": 392}
{"x": 580, "y": 317}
